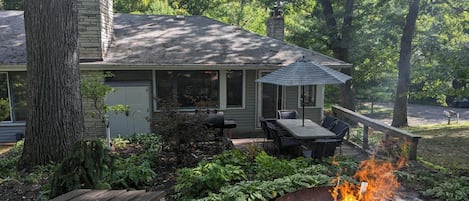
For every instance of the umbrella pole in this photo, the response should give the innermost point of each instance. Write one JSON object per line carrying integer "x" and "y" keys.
{"x": 303, "y": 103}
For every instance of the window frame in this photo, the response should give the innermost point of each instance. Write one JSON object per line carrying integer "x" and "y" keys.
{"x": 315, "y": 97}
{"x": 222, "y": 89}
{"x": 243, "y": 91}
{"x": 155, "y": 89}
{"x": 9, "y": 100}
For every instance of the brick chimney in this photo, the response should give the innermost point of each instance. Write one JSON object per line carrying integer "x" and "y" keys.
{"x": 95, "y": 28}
{"x": 275, "y": 24}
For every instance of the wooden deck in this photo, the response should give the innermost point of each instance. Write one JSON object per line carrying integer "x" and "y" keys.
{"x": 108, "y": 195}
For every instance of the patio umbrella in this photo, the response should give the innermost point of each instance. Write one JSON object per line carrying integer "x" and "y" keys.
{"x": 302, "y": 73}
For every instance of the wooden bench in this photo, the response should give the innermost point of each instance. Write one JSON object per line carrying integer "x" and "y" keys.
{"x": 115, "y": 195}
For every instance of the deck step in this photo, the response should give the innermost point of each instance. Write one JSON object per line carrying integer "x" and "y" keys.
{"x": 111, "y": 195}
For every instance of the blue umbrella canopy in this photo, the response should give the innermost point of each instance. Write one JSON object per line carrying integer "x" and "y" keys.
{"x": 302, "y": 73}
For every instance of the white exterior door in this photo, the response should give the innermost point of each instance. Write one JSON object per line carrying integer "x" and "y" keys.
{"x": 134, "y": 121}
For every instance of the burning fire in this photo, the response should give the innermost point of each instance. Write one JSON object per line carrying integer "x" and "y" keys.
{"x": 377, "y": 182}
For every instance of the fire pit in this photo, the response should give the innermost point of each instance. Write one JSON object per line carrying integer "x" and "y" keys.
{"x": 377, "y": 182}
{"x": 321, "y": 193}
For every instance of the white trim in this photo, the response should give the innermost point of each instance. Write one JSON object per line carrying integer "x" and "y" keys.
{"x": 320, "y": 96}
{"x": 108, "y": 66}
{"x": 316, "y": 96}
{"x": 11, "y": 124}
{"x": 259, "y": 95}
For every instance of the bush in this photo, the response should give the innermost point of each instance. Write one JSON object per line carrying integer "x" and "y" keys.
{"x": 86, "y": 166}
{"x": 151, "y": 146}
{"x": 205, "y": 178}
{"x": 8, "y": 164}
{"x": 131, "y": 172}
{"x": 267, "y": 190}
{"x": 224, "y": 178}
{"x": 181, "y": 131}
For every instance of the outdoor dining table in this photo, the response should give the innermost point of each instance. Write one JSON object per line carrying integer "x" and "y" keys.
{"x": 310, "y": 130}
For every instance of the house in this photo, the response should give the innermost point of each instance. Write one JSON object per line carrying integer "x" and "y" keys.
{"x": 176, "y": 57}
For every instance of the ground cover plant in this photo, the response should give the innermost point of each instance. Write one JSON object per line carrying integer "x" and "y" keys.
{"x": 235, "y": 175}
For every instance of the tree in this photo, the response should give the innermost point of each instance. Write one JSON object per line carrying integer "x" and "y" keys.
{"x": 55, "y": 116}
{"x": 339, "y": 41}
{"x": 399, "y": 117}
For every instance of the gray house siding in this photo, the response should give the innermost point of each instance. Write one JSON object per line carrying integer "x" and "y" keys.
{"x": 245, "y": 118}
{"x": 291, "y": 102}
{"x": 8, "y": 132}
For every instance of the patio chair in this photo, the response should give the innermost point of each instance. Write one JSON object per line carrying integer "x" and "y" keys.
{"x": 282, "y": 142}
{"x": 263, "y": 123}
{"x": 287, "y": 114}
{"x": 329, "y": 122}
{"x": 341, "y": 129}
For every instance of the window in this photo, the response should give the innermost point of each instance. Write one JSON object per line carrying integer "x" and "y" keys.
{"x": 13, "y": 96}
{"x": 5, "y": 109}
{"x": 19, "y": 98}
{"x": 309, "y": 96}
{"x": 234, "y": 88}
{"x": 189, "y": 88}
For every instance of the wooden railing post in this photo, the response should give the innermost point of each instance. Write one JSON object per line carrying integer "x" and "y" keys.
{"x": 365, "y": 138}
{"x": 413, "y": 149}
{"x": 389, "y": 131}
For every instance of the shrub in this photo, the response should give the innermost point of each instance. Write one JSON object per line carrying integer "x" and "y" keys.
{"x": 181, "y": 131}
{"x": 270, "y": 168}
{"x": 131, "y": 172}
{"x": 456, "y": 189}
{"x": 232, "y": 157}
{"x": 224, "y": 178}
{"x": 205, "y": 178}
{"x": 8, "y": 164}
{"x": 86, "y": 166}
{"x": 151, "y": 146}
{"x": 267, "y": 190}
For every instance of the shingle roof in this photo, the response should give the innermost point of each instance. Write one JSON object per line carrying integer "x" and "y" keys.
{"x": 12, "y": 38}
{"x": 169, "y": 40}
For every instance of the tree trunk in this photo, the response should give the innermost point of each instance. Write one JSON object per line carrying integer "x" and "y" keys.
{"x": 55, "y": 117}
{"x": 340, "y": 45}
{"x": 399, "y": 118}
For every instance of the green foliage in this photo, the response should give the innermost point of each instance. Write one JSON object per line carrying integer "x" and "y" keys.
{"x": 456, "y": 189}
{"x": 92, "y": 88}
{"x": 12, "y": 4}
{"x": 267, "y": 190}
{"x": 180, "y": 131}
{"x": 86, "y": 166}
{"x": 232, "y": 157}
{"x": 4, "y": 109}
{"x": 228, "y": 177}
{"x": 8, "y": 163}
{"x": 205, "y": 178}
{"x": 268, "y": 167}
{"x": 131, "y": 172}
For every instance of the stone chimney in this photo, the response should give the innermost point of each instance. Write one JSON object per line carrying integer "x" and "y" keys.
{"x": 275, "y": 24}
{"x": 95, "y": 28}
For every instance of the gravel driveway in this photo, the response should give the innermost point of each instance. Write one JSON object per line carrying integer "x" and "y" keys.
{"x": 428, "y": 114}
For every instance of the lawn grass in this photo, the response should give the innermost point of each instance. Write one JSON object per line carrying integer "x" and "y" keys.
{"x": 444, "y": 145}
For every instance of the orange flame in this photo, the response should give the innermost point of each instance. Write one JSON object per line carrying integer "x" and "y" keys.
{"x": 378, "y": 182}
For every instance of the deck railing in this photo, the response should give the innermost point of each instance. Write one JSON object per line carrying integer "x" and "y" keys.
{"x": 389, "y": 131}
